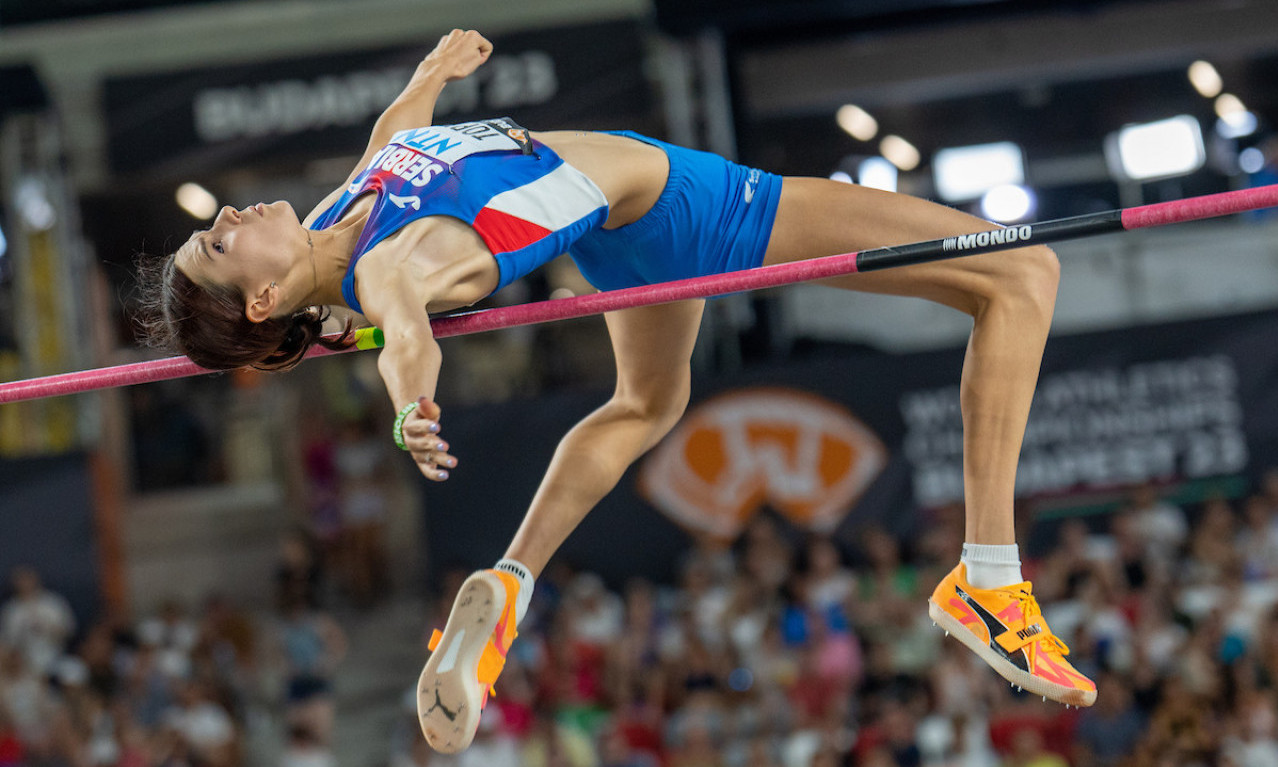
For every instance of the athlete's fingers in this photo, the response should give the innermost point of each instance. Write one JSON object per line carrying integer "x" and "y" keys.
{"x": 429, "y": 469}
{"x": 425, "y": 442}
{"x": 421, "y": 437}
{"x": 421, "y": 427}
{"x": 432, "y": 449}
{"x": 422, "y": 421}
{"x": 485, "y": 46}
{"x": 459, "y": 53}
{"x": 427, "y": 409}
{"x": 417, "y": 429}
{"x": 444, "y": 459}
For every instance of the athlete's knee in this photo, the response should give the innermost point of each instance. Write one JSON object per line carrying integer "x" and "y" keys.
{"x": 1040, "y": 275}
{"x": 659, "y": 406}
{"x": 1026, "y": 278}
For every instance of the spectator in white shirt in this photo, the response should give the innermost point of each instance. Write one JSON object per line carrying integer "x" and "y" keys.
{"x": 36, "y": 621}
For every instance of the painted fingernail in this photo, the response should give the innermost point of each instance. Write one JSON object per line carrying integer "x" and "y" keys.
{"x": 443, "y": 475}
{"x": 450, "y": 462}
{"x": 433, "y": 428}
{"x": 442, "y": 446}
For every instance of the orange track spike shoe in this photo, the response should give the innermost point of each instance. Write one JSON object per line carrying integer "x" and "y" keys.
{"x": 1005, "y": 628}
{"x": 466, "y": 659}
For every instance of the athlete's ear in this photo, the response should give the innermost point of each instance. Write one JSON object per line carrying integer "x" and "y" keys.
{"x": 262, "y": 306}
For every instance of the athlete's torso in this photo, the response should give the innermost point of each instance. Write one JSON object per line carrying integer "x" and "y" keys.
{"x": 513, "y": 190}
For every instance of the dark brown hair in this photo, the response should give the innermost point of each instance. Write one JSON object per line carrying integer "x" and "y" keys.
{"x": 207, "y": 323}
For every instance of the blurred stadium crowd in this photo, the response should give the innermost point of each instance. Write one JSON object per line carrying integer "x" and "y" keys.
{"x": 778, "y": 651}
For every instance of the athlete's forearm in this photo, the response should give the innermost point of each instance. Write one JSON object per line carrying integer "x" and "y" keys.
{"x": 457, "y": 55}
{"x": 409, "y": 366}
{"x": 414, "y": 107}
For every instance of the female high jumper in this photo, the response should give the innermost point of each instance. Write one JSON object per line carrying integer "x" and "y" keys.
{"x": 435, "y": 218}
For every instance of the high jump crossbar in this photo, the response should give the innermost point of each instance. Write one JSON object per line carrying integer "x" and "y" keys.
{"x": 1016, "y": 236}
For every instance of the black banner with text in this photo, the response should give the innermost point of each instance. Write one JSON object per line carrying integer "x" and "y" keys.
{"x": 274, "y": 112}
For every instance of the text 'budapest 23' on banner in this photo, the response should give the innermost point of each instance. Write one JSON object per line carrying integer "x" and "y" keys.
{"x": 271, "y": 113}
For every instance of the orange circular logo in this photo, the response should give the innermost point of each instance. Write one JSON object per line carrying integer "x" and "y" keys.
{"x": 803, "y": 456}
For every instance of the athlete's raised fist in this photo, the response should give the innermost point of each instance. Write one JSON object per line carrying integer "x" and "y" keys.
{"x": 459, "y": 53}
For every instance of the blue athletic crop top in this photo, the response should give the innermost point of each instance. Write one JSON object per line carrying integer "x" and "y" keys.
{"x": 523, "y": 200}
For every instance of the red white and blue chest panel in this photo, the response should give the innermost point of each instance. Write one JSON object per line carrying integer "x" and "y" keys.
{"x": 523, "y": 200}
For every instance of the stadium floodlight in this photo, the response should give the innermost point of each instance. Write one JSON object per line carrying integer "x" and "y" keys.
{"x": 196, "y": 200}
{"x": 877, "y": 173}
{"x": 856, "y": 122}
{"x": 1205, "y": 79}
{"x": 31, "y": 199}
{"x": 1228, "y": 106}
{"x": 965, "y": 173}
{"x": 1235, "y": 120}
{"x": 1008, "y": 204}
{"x": 1238, "y": 125}
{"x": 900, "y": 152}
{"x": 1251, "y": 160}
{"x": 1155, "y": 150}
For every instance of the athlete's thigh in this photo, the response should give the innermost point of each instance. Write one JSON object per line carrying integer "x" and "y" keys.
{"x": 820, "y": 217}
{"x": 653, "y": 347}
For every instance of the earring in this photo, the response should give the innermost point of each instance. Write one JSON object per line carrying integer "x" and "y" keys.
{"x": 272, "y": 284}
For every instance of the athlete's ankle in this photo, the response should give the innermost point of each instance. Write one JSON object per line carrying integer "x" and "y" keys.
{"x": 526, "y": 584}
{"x": 992, "y": 566}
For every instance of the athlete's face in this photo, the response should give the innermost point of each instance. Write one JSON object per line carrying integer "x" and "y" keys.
{"x": 243, "y": 248}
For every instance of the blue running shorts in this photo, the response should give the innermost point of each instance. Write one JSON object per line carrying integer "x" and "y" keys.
{"x": 713, "y": 216}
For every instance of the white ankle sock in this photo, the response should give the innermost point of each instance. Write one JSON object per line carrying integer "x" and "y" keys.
{"x": 526, "y": 584}
{"x": 992, "y": 567}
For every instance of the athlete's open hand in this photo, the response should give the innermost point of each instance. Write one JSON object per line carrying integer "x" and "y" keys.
{"x": 459, "y": 53}
{"x": 421, "y": 437}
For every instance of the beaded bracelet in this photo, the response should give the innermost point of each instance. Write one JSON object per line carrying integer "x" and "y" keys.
{"x": 397, "y": 431}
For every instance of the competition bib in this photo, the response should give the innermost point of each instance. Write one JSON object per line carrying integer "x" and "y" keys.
{"x": 417, "y": 155}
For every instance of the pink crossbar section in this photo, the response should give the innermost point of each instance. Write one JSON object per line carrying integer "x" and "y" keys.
{"x": 1194, "y": 208}
{"x": 468, "y": 322}
{"x": 1158, "y": 214}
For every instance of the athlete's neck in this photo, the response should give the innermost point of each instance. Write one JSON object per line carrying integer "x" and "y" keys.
{"x": 320, "y": 275}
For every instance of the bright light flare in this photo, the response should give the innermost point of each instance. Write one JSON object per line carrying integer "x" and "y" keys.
{"x": 31, "y": 198}
{"x": 900, "y": 152}
{"x": 856, "y": 122}
{"x": 1229, "y": 106}
{"x": 967, "y": 172}
{"x": 1162, "y": 149}
{"x": 1251, "y": 160}
{"x": 1205, "y": 79}
{"x": 196, "y": 200}
{"x": 1008, "y": 204}
{"x": 1236, "y": 120}
{"x": 878, "y": 173}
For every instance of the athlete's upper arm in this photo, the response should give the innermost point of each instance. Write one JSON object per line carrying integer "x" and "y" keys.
{"x": 409, "y": 361}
